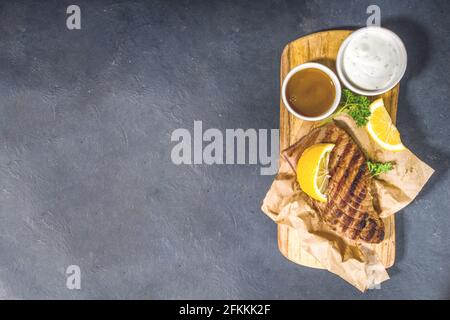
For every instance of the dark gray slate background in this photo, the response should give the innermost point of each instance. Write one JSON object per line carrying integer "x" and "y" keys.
{"x": 85, "y": 172}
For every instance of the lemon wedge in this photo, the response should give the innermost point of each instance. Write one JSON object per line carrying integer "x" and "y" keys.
{"x": 381, "y": 128}
{"x": 312, "y": 170}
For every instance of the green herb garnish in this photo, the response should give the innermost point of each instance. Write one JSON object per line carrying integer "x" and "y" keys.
{"x": 377, "y": 168}
{"x": 354, "y": 105}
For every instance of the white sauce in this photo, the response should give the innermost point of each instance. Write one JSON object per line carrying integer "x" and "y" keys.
{"x": 372, "y": 60}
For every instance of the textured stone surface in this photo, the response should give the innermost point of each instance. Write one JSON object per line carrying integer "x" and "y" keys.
{"x": 85, "y": 171}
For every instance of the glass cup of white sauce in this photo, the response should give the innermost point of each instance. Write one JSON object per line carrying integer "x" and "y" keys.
{"x": 371, "y": 61}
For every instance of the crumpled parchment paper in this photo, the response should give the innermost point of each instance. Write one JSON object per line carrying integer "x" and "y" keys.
{"x": 356, "y": 262}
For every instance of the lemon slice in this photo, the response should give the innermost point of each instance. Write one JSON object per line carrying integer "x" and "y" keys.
{"x": 312, "y": 170}
{"x": 381, "y": 128}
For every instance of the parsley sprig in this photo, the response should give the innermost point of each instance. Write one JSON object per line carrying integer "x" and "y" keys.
{"x": 376, "y": 168}
{"x": 354, "y": 105}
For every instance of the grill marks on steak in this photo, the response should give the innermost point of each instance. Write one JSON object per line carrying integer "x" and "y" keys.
{"x": 349, "y": 209}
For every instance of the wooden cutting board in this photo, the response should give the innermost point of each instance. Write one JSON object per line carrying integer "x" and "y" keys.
{"x": 322, "y": 47}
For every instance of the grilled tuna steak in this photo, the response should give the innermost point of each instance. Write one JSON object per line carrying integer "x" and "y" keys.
{"x": 349, "y": 209}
